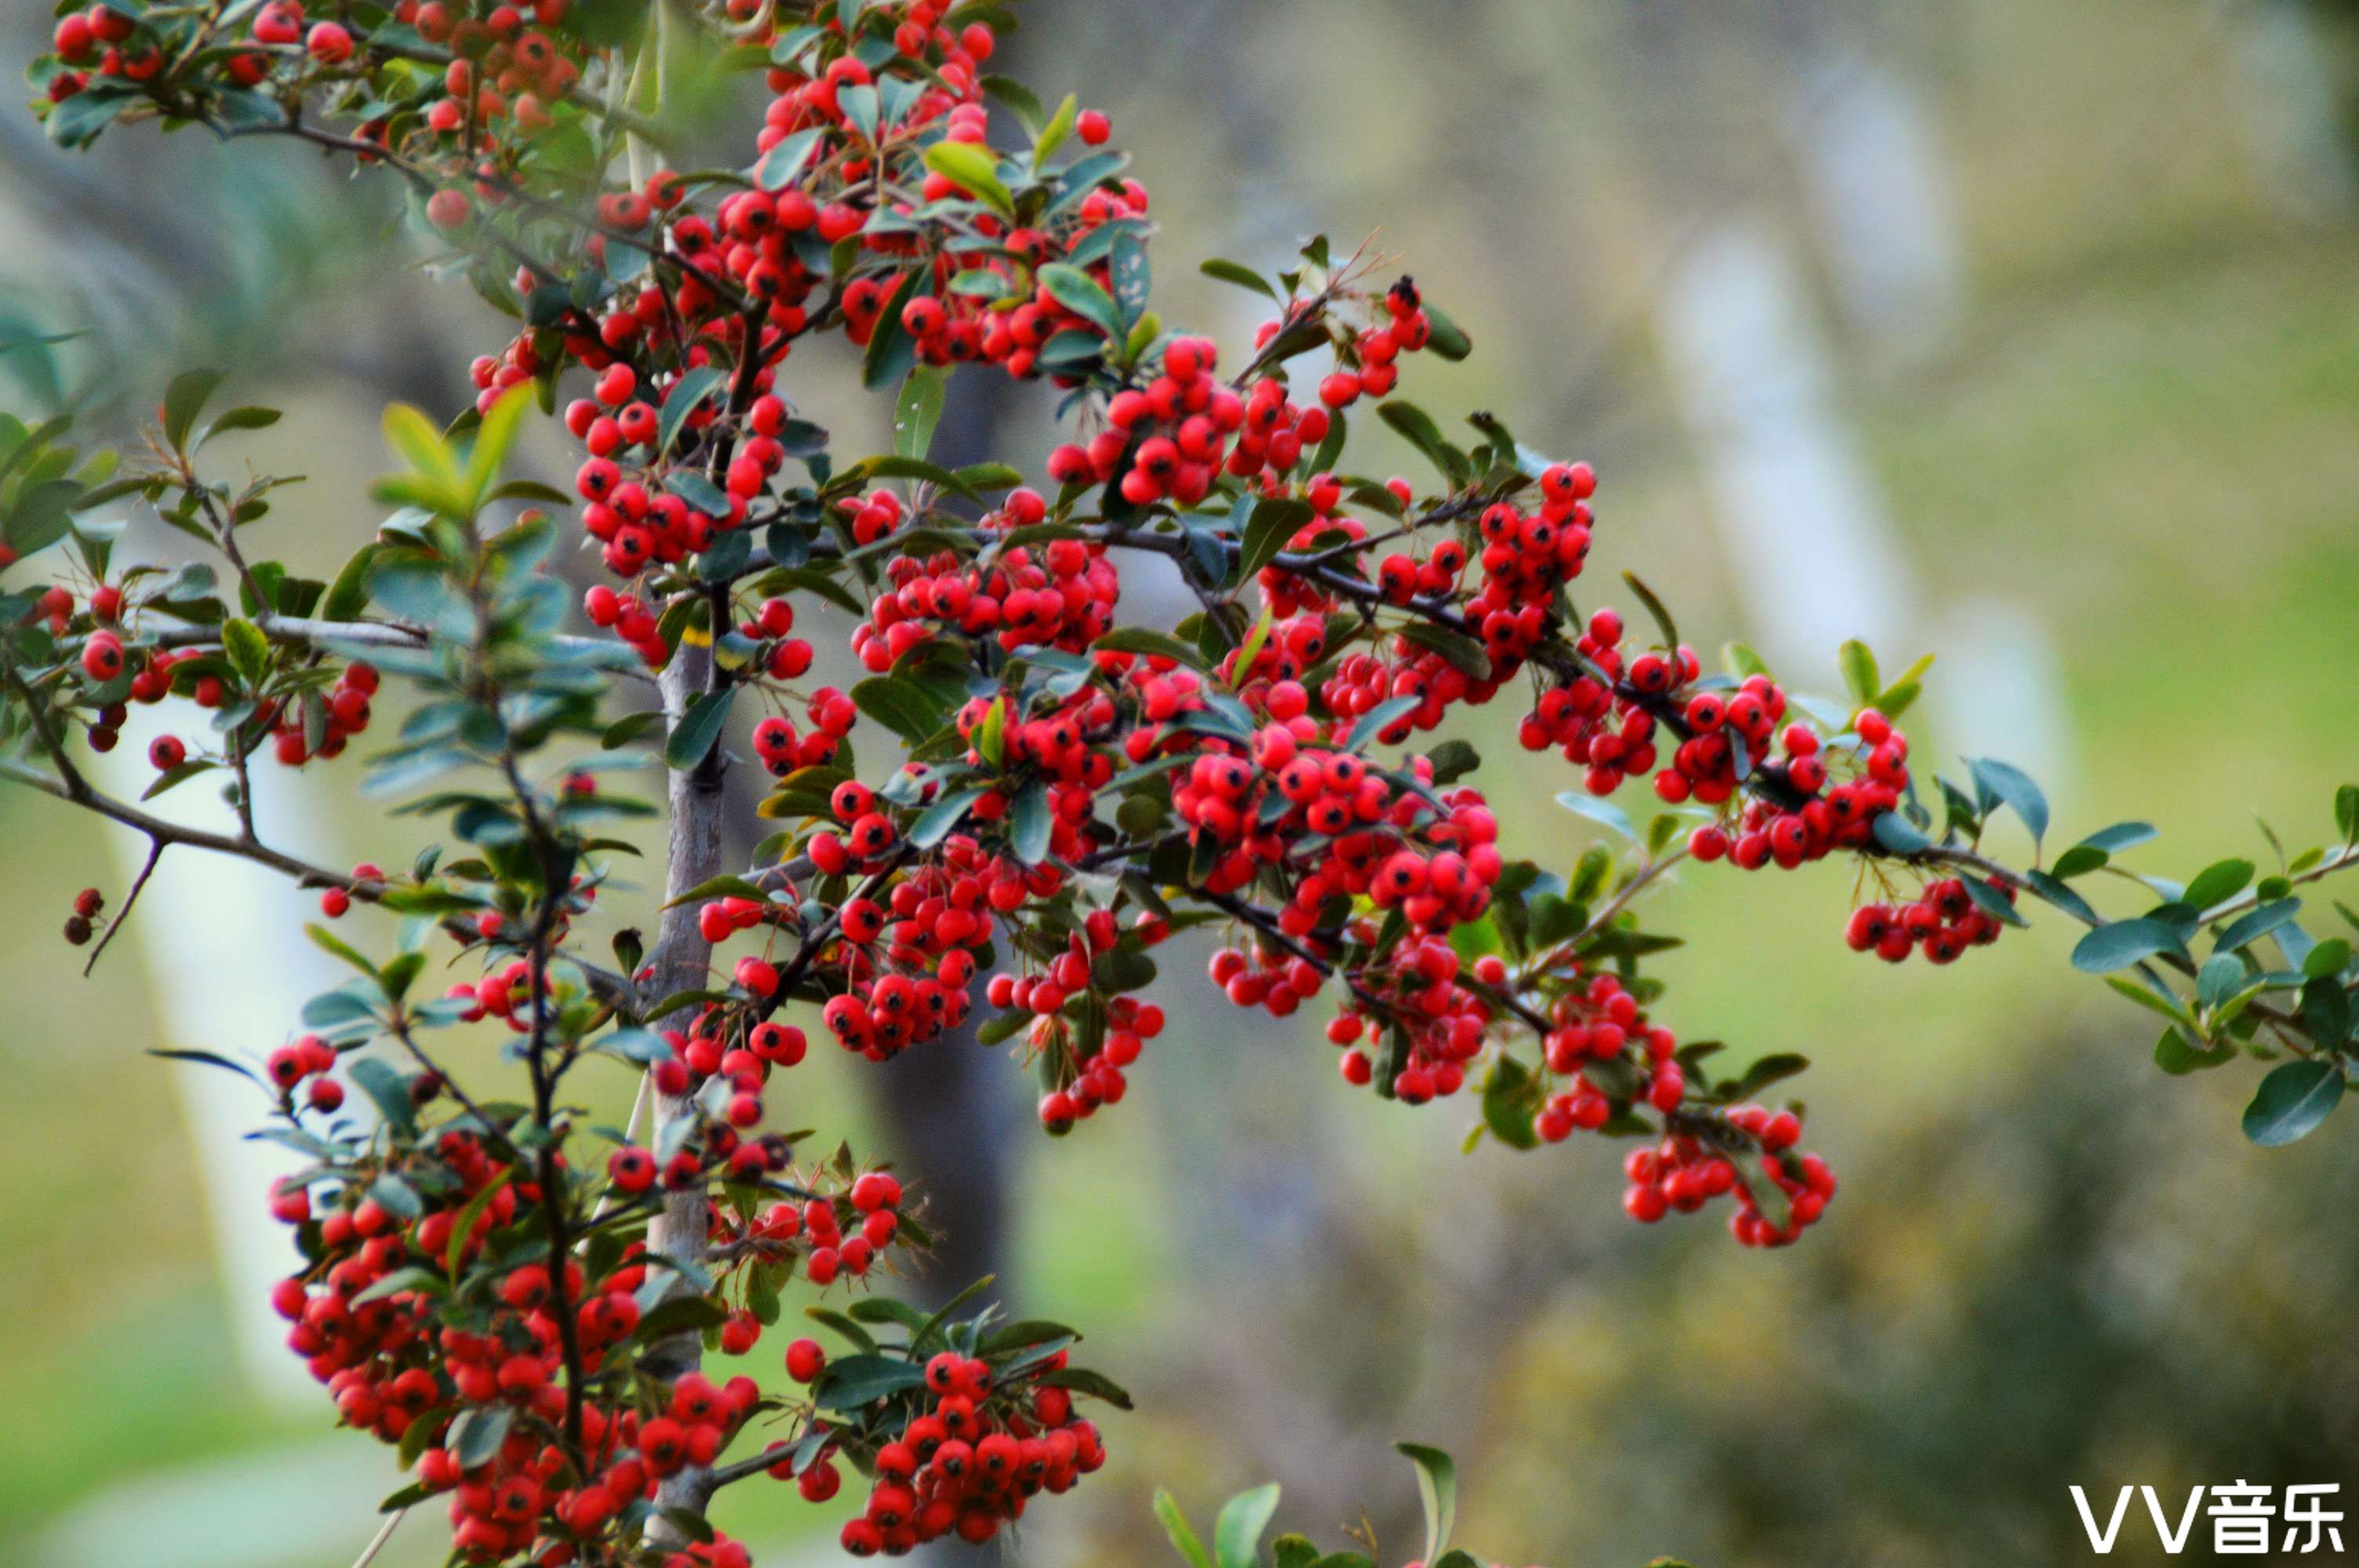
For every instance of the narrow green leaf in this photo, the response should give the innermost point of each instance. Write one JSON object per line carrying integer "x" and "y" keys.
{"x": 699, "y": 728}
{"x": 681, "y": 401}
{"x": 1437, "y": 1488}
{"x": 918, "y": 411}
{"x": 1655, "y": 607}
{"x": 1183, "y": 1537}
{"x": 1859, "y": 672}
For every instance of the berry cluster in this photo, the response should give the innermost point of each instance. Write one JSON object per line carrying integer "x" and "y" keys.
{"x": 87, "y": 904}
{"x": 1941, "y": 921}
{"x": 1685, "y": 1172}
{"x": 1061, "y": 596}
{"x": 977, "y": 1448}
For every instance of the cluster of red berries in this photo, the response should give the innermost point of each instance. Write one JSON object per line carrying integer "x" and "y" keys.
{"x": 304, "y": 1065}
{"x": 1369, "y": 366}
{"x": 1941, "y": 921}
{"x": 104, "y": 40}
{"x": 969, "y": 1461}
{"x": 632, "y": 621}
{"x": 388, "y": 1359}
{"x": 1169, "y": 440}
{"x": 1812, "y": 815}
{"x": 1605, "y": 721}
{"x": 783, "y": 748}
{"x": 811, "y": 1234}
{"x": 1684, "y": 1173}
{"x": 1061, "y": 596}
{"x": 1097, "y": 1074}
{"x": 340, "y": 711}
{"x": 86, "y": 906}
{"x": 1602, "y": 1021}
{"x": 1438, "y": 1024}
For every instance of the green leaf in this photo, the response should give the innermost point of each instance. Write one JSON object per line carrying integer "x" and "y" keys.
{"x": 1236, "y": 1534}
{"x": 248, "y": 651}
{"x": 336, "y": 947}
{"x": 1052, "y": 134}
{"x": 43, "y": 516}
{"x": 2326, "y": 1012}
{"x": 1437, "y": 1488}
{"x": 918, "y": 410}
{"x": 209, "y": 1059}
{"x": 172, "y": 778}
{"x": 2007, "y": 782}
{"x": 856, "y": 1380}
{"x": 940, "y": 820}
{"x": 1372, "y": 724}
{"x": 699, "y": 728}
{"x": 1417, "y": 427}
{"x": 2220, "y": 880}
{"x": 891, "y": 350}
{"x": 2122, "y": 943}
{"x": 1447, "y": 338}
{"x": 1078, "y": 292}
{"x": 901, "y": 705}
{"x": 1132, "y": 275}
{"x": 1030, "y": 823}
{"x": 1511, "y": 1098}
{"x": 416, "y": 442}
{"x": 348, "y": 595}
{"x": 1859, "y": 672}
{"x": 477, "y": 1434}
{"x": 462, "y": 1228}
{"x": 1655, "y": 607}
{"x": 240, "y": 419}
{"x": 1770, "y": 1069}
{"x": 386, "y": 1085}
{"x": 784, "y": 162}
{"x": 1599, "y": 809}
{"x": 2292, "y": 1101}
{"x": 2329, "y": 958}
{"x": 2145, "y": 997}
{"x": 1274, "y": 521}
{"x": 1146, "y": 640}
{"x": 1183, "y": 1537}
{"x": 1239, "y": 274}
{"x": 184, "y": 400}
{"x": 493, "y": 439}
{"x": 2177, "y": 1055}
{"x": 681, "y": 401}
{"x": 2251, "y": 927}
{"x": 1463, "y": 652}
{"x": 972, "y": 167}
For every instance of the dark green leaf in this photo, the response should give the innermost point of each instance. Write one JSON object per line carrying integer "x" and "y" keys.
{"x": 856, "y": 1380}
{"x": 2006, "y": 782}
{"x": 2122, "y": 943}
{"x": 185, "y": 399}
{"x": 699, "y": 728}
{"x": 2292, "y": 1101}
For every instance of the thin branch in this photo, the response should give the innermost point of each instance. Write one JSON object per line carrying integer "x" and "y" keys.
{"x": 384, "y": 1534}
{"x": 155, "y": 853}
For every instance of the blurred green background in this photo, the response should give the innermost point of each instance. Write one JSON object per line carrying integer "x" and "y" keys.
{"x": 2023, "y": 333}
